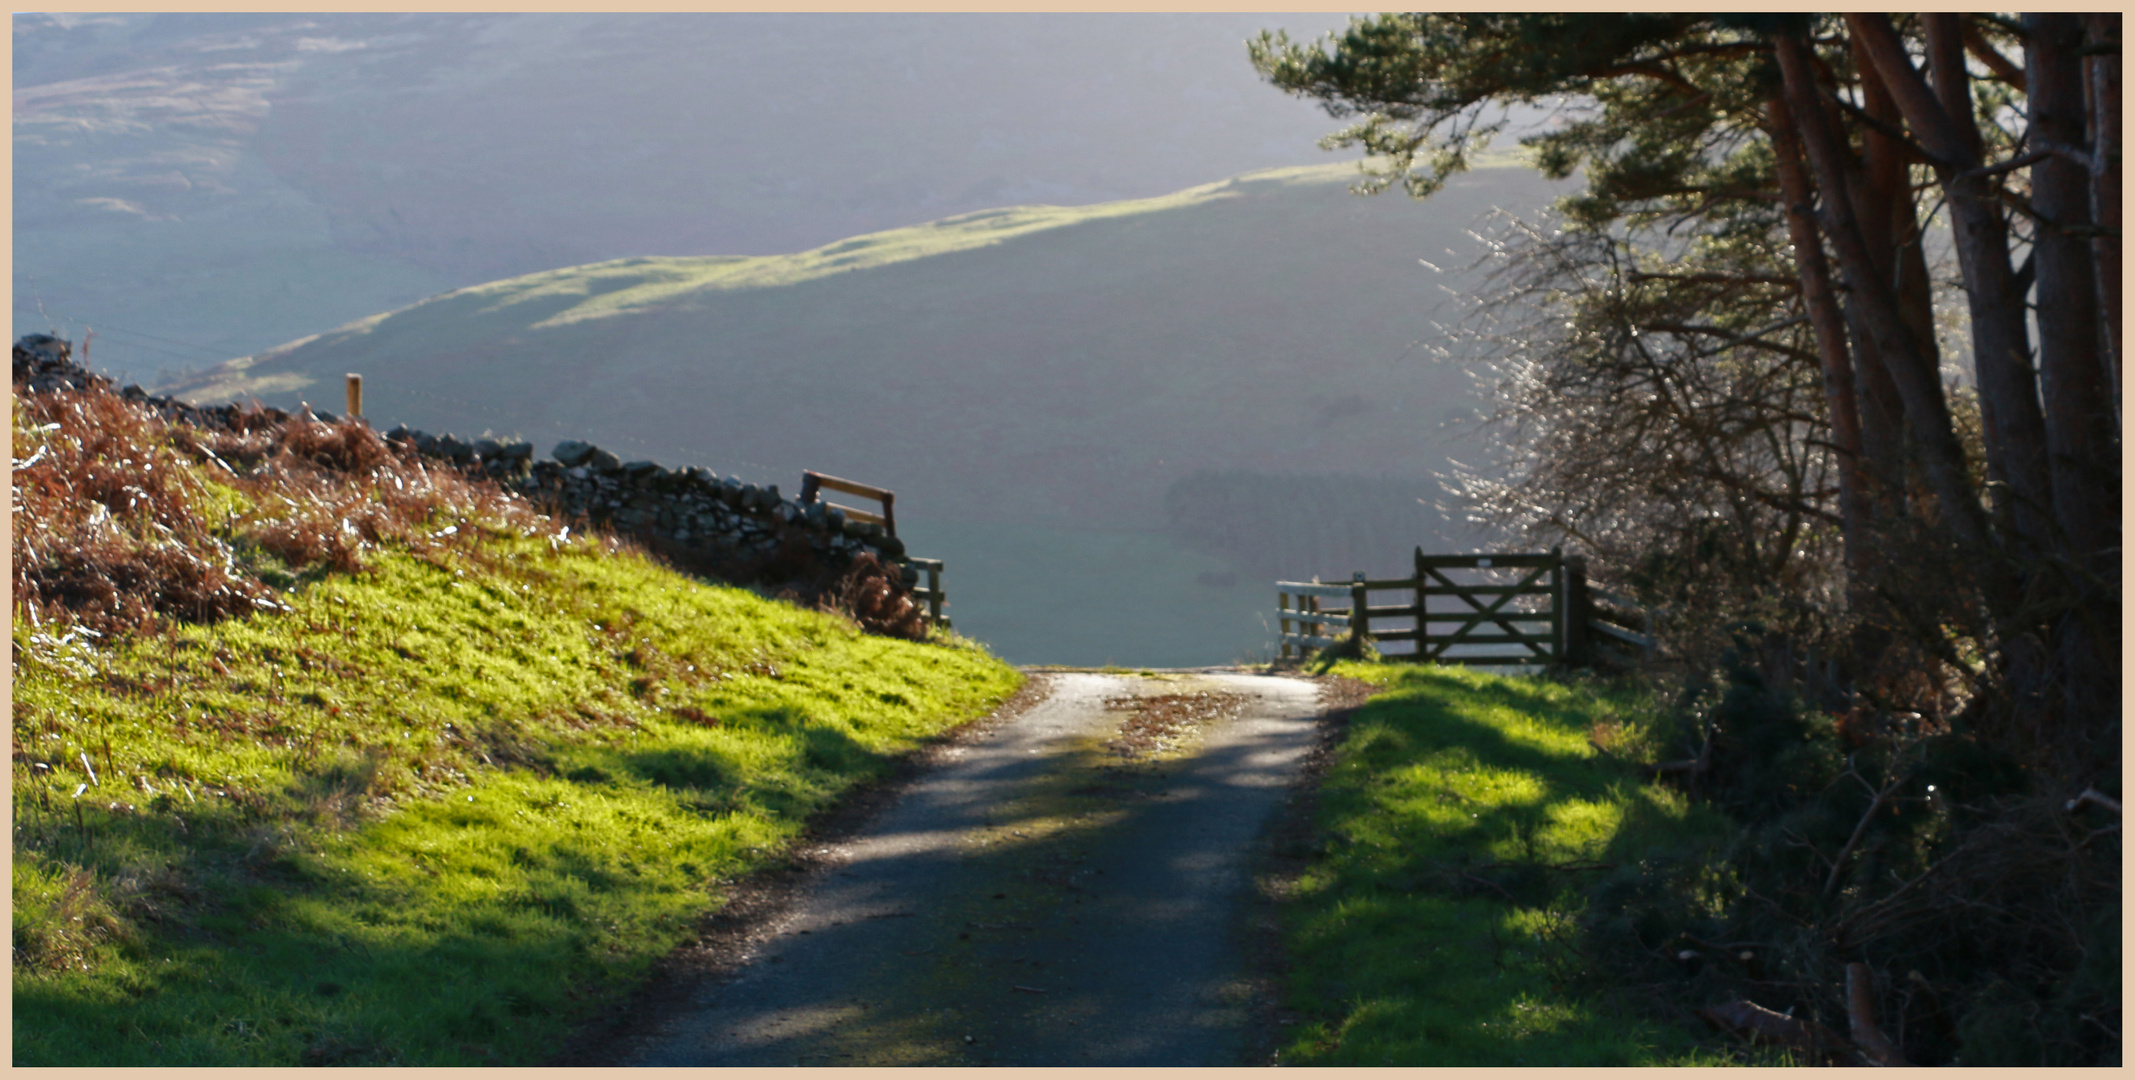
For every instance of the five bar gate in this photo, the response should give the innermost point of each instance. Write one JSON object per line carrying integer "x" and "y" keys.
{"x": 1531, "y": 608}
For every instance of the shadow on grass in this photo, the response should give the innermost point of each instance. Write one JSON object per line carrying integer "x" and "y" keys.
{"x": 466, "y": 929}
{"x": 1433, "y": 931}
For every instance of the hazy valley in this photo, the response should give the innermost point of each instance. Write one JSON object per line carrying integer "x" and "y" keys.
{"x": 1179, "y": 368}
{"x": 1119, "y": 404}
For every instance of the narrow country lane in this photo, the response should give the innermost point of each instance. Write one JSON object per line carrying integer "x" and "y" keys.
{"x": 1065, "y": 890}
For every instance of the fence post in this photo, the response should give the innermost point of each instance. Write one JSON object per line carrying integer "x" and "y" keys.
{"x": 1578, "y": 609}
{"x": 1310, "y": 604}
{"x": 934, "y": 591}
{"x": 1423, "y": 639}
{"x": 1359, "y": 620}
{"x": 1282, "y": 624}
{"x": 355, "y": 395}
{"x": 1558, "y": 603}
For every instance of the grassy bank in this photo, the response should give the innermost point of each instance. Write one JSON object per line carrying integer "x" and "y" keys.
{"x": 430, "y": 807}
{"x": 1463, "y": 816}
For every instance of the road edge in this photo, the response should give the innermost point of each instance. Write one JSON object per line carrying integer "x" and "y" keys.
{"x": 755, "y": 906}
{"x": 1285, "y": 849}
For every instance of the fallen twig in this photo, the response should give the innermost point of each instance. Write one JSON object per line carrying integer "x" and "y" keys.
{"x": 1584, "y": 864}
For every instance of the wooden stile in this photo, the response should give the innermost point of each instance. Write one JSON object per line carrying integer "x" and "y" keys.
{"x": 813, "y": 484}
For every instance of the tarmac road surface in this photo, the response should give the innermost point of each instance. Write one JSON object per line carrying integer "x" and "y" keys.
{"x": 1065, "y": 890}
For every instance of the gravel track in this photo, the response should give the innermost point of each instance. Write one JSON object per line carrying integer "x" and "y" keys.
{"x": 1064, "y": 889}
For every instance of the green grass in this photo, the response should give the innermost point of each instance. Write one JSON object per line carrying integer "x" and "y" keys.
{"x": 1461, "y": 814}
{"x": 430, "y": 814}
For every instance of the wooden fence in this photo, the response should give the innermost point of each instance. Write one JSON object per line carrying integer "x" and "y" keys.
{"x": 1618, "y": 632}
{"x": 813, "y": 484}
{"x": 1526, "y": 608}
{"x": 932, "y": 594}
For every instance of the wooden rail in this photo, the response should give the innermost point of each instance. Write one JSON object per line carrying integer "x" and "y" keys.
{"x": 814, "y": 483}
{"x": 1612, "y": 616}
{"x": 1546, "y": 613}
{"x": 932, "y": 594}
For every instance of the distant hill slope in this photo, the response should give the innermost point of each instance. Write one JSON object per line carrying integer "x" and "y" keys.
{"x": 198, "y": 185}
{"x": 1031, "y": 365}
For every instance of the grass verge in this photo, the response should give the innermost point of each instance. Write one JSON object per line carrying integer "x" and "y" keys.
{"x": 1460, "y": 819}
{"x": 431, "y": 810}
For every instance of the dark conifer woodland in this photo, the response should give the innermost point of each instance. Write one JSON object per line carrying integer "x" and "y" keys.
{"x": 1824, "y": 361}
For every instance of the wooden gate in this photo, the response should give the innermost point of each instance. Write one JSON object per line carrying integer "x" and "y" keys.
{"x": 1523, "y": 618}
{"x": 1526, "y": 608}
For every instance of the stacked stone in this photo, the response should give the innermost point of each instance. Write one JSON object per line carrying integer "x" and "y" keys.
{"x": 721, "y": 518}
{"x": 692, "y": 508}
{"x": 44, "y": 364}
{"x": 505, "y": 460}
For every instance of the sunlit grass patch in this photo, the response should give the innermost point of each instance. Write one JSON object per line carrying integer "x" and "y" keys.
{"x": 1461, "y": 816}
{"x": 428, "y": 813}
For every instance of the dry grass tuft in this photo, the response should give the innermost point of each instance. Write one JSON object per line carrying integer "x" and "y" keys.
{"x": 76, "y": 922}
{"x": 873, "y": 595}
{"x": 123, "y": 520}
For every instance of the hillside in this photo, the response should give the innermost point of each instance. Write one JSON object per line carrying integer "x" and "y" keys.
{"x": 327, "y": 757}
{"x": 199, "y": 185}
{"x": 1032, "y": 367}
{"x": 1272, "y": 322}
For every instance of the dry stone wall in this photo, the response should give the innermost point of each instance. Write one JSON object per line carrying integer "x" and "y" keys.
{"x": 691, "y": 511}
{"x": 746, "y": 533}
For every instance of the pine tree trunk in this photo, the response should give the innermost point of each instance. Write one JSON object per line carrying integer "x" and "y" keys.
{"x": 2102, "y": 32}
{"x": 2082, "y": 450}
{"x": 1828, "y": 323}
{"x": 2001, "y": 343}
{"x": 1884, "y": 211}
{"x": 1918, "y": 383}
{"x": 2072, "y": 371}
